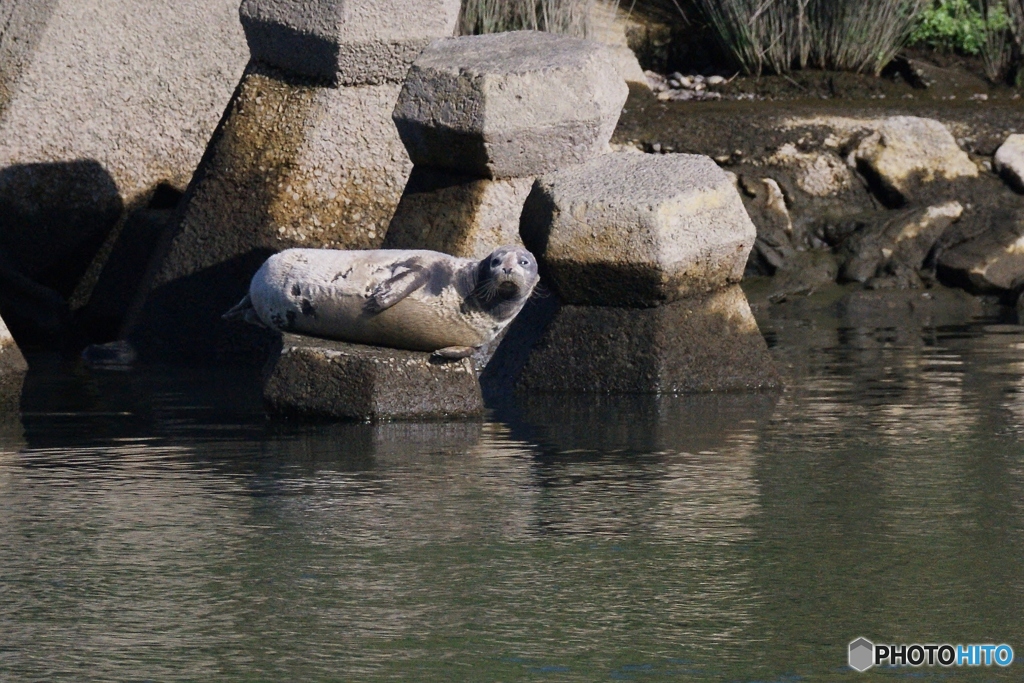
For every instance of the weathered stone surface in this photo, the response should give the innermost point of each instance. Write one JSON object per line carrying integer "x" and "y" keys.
{"x": 291, "y": 165}
{"x": 457, "y": 214}
{"x": 992, "y": 261}
{"x": 1009, "y": 161}
{"x": 106, "y": 99}
{"x": 12, "y": 370}
{"x": 323, "y": 378}
{"x": 21, "y": 25}
{"x": 709, "y": 342}
{"x": 902, "y": 152}
{"x": 637, "y": 230}
{"x": 819, "y": 174}
{"x": 896, "y": 247}
{"x": 509, "y": 105}
{"x": 348, "y": 42}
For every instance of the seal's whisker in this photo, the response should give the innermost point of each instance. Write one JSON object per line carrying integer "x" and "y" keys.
{"x": 540, "y": 292}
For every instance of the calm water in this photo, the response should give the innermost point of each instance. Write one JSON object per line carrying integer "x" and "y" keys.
{"x": 155, "y": 527}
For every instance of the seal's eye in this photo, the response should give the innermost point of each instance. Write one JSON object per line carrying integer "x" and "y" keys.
{"x": 524, "y": 262}
{"x": 495, "y": 263}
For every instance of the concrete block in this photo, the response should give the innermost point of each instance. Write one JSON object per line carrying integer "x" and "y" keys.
{"x": 291, "y": 165}
{"x": 12, "y": 370}
{"x": 608, "y": 25}
{"x": 457, "y": 214}
{"x": 509, "y": 105}
{"x": 347, "y": 42}
{"x": 105, "y": 100}
{"x": 21, "y": 25}
{"x": 637, "y": 230}
{"x": 323, "y": 378}
{"x": 708, "y": 342}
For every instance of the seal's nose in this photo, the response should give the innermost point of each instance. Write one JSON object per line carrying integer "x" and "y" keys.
{"x": 508, "y": 271}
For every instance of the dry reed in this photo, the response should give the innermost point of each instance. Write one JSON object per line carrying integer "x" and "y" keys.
{"x": 571, "y": 17}
{"x": 781, "y": 35}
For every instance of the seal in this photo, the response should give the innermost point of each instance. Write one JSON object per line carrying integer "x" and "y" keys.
{"x": 403, "y": 298}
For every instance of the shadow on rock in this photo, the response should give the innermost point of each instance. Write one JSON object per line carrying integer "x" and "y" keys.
{"x": 53, "y": 218}
{"x": 181, "y": 320}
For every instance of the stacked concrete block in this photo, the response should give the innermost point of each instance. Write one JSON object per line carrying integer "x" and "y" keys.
{"x": 481, "y": 117}
{"x": 101, "y": 101}
{"x": 645, "y": 252}
{"x": 12, "y": 370}
{"x": 306, "y": 155}
{"x": 328, "y": 379}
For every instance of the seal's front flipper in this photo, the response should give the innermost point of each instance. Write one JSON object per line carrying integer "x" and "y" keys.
{"x": 454, "y": 352}
{"x": 244, "y": 310}
{"x": 394, "y": 289}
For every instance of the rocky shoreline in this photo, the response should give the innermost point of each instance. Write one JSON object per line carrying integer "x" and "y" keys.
{"x": 895, "y": 195}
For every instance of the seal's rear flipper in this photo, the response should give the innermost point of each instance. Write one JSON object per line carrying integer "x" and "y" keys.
{"x": 244, "y": 310}
{"x": 454, "y": 352}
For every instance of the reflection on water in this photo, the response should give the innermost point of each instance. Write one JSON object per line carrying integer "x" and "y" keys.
{"x": 157, "y": 527}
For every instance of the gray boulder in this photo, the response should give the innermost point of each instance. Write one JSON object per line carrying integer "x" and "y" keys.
{"x": 989, "y": 262}
{"x": 637, "y": 230}
{"x": 708, "y": 342}
{"x": 330, "y": 379}
{"x": 896, "y": 247}
{"x": 903, "y": 152}
{"x": 1009, "y": 161}
{"x": 347, "y": 42}
{"x": 509, "y": 104}
{"x": 12, "y": 370}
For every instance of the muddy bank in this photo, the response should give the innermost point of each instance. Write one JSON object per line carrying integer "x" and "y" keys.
{"x": 720, "y": 129}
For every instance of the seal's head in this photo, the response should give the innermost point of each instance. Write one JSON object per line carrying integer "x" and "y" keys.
{"x": 507, "y": 275}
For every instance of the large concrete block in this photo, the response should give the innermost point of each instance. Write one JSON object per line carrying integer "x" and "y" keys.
{"x": 323, "y": 378}
{"x": 637, "y": 230}
{"x": 105, "y": 100}
{"x": 12, "y": 370}
{"x": 457, "y": 214}
{"x": 709, "y": 342}
{"x": 348, "y": 42}
{"x": 509, "y": 105}
{"x": 291, "y": 165}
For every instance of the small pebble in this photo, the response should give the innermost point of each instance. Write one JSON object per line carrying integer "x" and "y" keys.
{"x": 715, "y": 80}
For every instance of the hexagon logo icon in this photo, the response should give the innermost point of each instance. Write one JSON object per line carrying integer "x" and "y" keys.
{"x": 862, "y": 654}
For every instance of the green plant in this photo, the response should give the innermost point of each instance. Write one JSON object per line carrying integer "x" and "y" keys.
{"x": 953, "y": 25}
{"x": 557, "y": 16}
{"x": 984, "y": 27}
